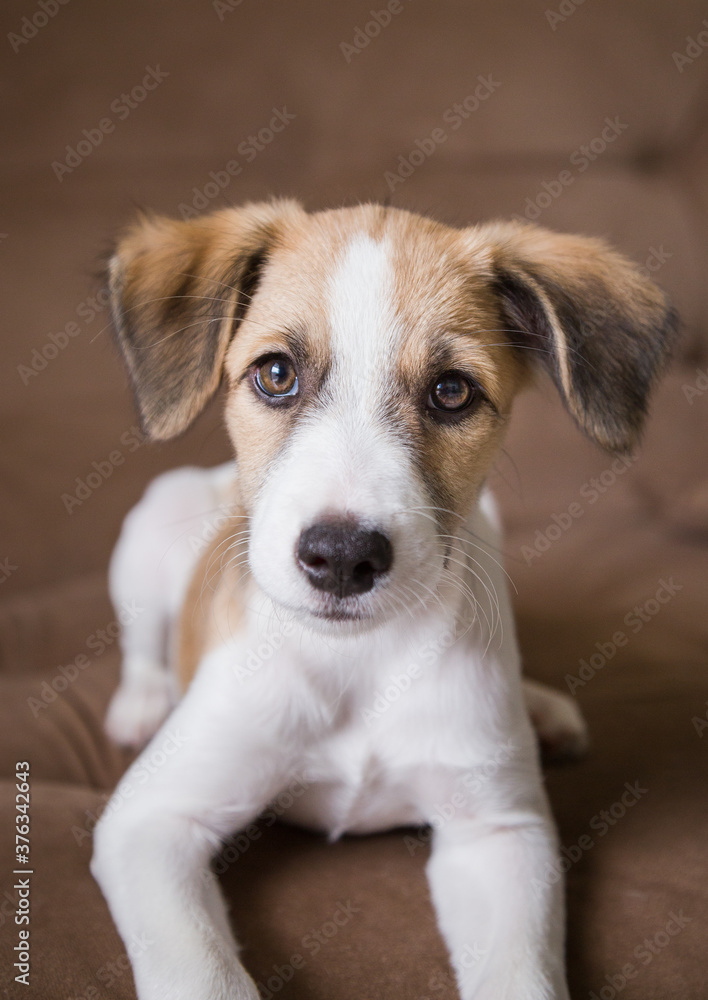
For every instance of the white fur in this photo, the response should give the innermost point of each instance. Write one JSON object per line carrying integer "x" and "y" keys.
{"x": 359, "y": 466}
{"x": 151, "y": 565}
{"x": 454, "y": 748}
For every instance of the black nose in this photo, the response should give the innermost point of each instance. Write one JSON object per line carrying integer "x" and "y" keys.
{"x": 343, "y": 559}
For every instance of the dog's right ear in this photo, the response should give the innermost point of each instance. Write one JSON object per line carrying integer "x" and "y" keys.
{"x": 178, "y": 291}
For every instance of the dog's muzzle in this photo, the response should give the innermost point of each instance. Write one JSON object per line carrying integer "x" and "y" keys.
{"x": 343, "y": 559}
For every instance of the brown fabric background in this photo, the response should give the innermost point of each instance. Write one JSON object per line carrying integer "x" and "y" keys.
{"x": 647, "y": 192}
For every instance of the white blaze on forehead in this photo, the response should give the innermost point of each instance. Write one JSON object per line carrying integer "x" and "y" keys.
{"x": 362, "y": 321}
{"x": 345, "y": 457}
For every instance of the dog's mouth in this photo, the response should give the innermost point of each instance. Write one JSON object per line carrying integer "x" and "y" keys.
{"x": 335, "y": 614}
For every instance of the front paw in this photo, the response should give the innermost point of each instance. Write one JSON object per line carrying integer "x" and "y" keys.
{"x": 561, "y": 728}
{"x": 206, "y": 983}
{"x": 138, "y": 709}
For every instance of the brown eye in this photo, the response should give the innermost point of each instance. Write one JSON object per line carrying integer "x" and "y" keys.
{"x": 277, "y": 377}
{"x": 452, "y": 393}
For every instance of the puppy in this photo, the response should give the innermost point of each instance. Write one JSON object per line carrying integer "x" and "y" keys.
{"x": 371, "y": 358}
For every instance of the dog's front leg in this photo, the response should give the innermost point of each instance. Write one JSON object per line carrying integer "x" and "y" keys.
{"x": 172, "y": 920}
{"x": 500, "y": 914}
{"x": 228, "y": 748}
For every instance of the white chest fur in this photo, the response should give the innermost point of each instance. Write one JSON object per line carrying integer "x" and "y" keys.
{"x": 404, "y": 732}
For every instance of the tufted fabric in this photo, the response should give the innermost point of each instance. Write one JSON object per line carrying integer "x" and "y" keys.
{"x": 554, "y": 78}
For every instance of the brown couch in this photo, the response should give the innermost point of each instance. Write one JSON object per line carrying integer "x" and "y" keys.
{"x": 593, "y": 119}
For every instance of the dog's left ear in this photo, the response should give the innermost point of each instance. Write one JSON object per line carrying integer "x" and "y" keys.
{"x": 589, "y": 316}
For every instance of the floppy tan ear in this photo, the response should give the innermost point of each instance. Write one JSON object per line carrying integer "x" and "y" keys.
{"x": 587, "y": 314}
{"x": 178, "y": 291}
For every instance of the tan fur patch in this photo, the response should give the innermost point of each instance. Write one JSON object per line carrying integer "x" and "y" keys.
{"x": 177, "y": 289}
{"x": 214, "y": 602}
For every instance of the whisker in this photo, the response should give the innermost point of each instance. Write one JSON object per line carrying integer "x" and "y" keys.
{"x": 529, "y": 347}
{"x": 466, "y": 541}
{"x": 192, "y": 527}
{"x": 496, "y": 619}
{"x": 202, "y": 319}
{"x": 485, "y": 544}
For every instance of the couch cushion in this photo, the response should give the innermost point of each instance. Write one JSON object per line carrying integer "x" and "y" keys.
{"x": 75, "y": 951}
{"x": 58, "y": 666}
{"x": 354, "y": 918}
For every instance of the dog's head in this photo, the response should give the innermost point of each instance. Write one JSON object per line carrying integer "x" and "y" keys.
{"x": 372, "y": 357}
